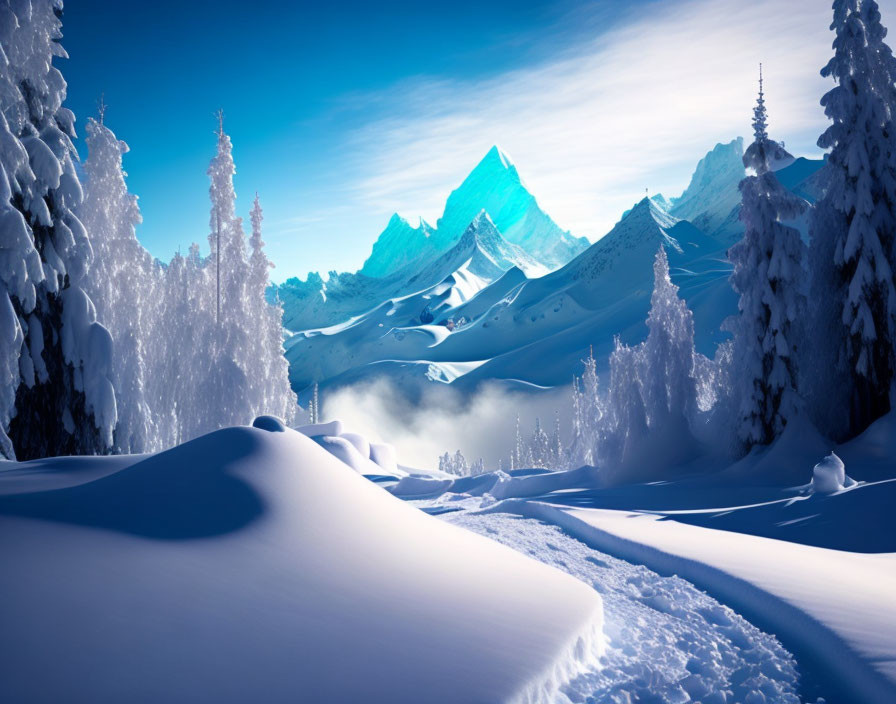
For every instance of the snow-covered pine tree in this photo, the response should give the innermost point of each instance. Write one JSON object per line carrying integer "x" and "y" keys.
{"x": 57, "y": 397}
{"x": 539, "y": 454}
{"x": 669, "y": 389}
{"x": 768, "y": 275}
{"x": 270, "y": 385}
{"x": 123, "y": 284}
{"x": 516, "y": 453}
{"x": 853, "y": 228}
{"x": 558, "y": 453}
{"x": 588, "y": 415}
{"x": 578, "y": 449}
{"x": 624, "y": 428}
{"x": 227, "y": 386}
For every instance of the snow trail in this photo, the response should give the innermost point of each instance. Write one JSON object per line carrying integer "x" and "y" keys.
{"x": 667, "y": 642}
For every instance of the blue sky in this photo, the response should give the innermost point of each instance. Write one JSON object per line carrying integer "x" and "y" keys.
{"x": 342, "y": 113}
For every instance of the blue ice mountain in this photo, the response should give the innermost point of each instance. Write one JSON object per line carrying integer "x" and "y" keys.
{"x": 398, "y": 245}
{"x": 480, "y": 256}
{"x": 496, "y": 187}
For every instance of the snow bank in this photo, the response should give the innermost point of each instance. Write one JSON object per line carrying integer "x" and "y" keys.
{"x": 498, "y": 484}
{"x": 353, "y": 449}
{"x": 832, "y": 609}
{"x": 250, "y": 565}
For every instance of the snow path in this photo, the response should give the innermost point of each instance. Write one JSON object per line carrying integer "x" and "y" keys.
{"x": 833, "y": 608}
{"x": 667, "y": 642}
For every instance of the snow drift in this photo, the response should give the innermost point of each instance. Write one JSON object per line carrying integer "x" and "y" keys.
{"x": 250, "y": 565}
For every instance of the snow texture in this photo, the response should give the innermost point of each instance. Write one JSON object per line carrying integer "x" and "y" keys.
{"x": 249, "y": 565}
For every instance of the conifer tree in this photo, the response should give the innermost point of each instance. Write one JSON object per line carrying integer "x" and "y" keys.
{"x": 769, "y": 265}
{"x": 669, "y": 389}
{"x": 123, "y": 284}
{"x": 853, "y": 227}
{"x": 56, "y": 395}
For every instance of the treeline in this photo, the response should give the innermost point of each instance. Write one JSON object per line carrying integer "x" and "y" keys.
{"x": 103, "y": 348}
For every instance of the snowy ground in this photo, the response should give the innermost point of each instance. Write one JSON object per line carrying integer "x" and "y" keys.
{"x": 261, "y": 563}
{"x": 252, "y": 565}
{"x": 667, "y": 641}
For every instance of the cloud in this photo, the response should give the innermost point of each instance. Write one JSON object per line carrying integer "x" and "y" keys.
{"x": 593, "y": 126}
{"x": 482, "y": 424}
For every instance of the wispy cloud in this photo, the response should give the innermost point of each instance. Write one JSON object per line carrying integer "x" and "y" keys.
{"x": 593, "y": 126}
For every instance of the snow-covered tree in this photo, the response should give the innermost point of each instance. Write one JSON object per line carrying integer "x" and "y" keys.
{"x": 587, "y": 415}
{"x": 853, "y": 227}
{"x": 624, "y": 429}
{"x": 55, "y": 358}
{"x": 270, "y": 383}
{"x": 669, "y": 388}
{"x": 768, "y": 275}
{"x": 652, "y": 400}
{"x": 123, "y": 284}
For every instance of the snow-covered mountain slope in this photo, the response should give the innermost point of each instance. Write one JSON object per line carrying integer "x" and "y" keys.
{"x": 398, "y": 245}
{"x": 250, "y": 565}
{"x": 496, "y": 187}
{"x": 802, "y": 177}
{"x": 713, "y": 192}
{"x": 532, "y": 330}
{"x": 482, "y": 266}
{"x": 483, "y": 252}
{"x": 479, "y": 256}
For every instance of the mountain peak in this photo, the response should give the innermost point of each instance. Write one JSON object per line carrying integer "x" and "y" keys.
{"x": 482, "y": 229}
{"x": 495, "y": 164}
{"x": 646, "y": 208}
{"x": 496, "y": 154}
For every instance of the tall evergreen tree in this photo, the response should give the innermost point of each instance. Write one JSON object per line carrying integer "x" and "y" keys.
{"x": 64, "y": 402}
{"x": 670, "y": 392}
{"x": 271, "y": 391}
{"x": 768, "y": 275}
{"x": 624, "y": 429}
{"x": 123, "y": 284}
{"x": 853, "y": 227}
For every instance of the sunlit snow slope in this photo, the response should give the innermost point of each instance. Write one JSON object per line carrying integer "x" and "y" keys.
{"x": 250, "y": 565}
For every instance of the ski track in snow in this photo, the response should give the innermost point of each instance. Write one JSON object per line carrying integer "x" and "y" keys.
{"x": 667, "y": 642}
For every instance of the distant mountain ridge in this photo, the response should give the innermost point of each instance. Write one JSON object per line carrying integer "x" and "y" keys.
{"x": 484, "y": 309}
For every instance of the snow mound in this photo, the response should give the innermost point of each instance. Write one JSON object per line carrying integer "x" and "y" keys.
{"x": 249, "y": 565}
{"x": 272, "y": 424}
{"x": 829, "y": 476}
{"x": 365, "y": 457}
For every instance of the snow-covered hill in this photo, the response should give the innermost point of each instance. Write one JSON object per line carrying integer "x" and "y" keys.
{"x": 250, "y": 565}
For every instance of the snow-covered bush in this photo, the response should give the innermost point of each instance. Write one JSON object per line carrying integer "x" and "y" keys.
{"x": 829, "y": 476}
